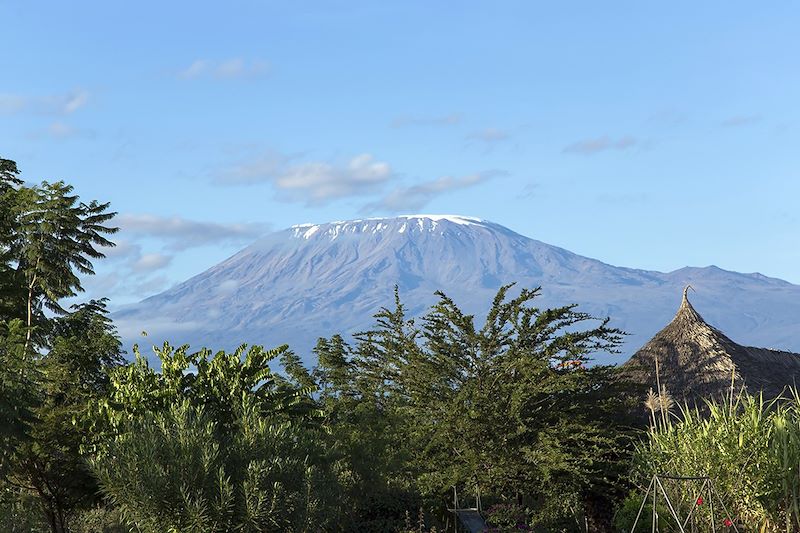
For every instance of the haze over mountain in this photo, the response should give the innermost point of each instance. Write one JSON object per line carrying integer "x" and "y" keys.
{"x": 314, "y": 280}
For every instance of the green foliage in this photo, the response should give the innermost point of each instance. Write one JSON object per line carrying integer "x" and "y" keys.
{"x": 18, "y": 391}
{"x": 49, "y": 462}
{"x": 219, "y": 383}
{"x": 47, "y": 238}
{"x": 50, "y": 368}
{"x": 99, "y": 520}
{"x": 20, "y": 511}
{"x": 11, "y": 293}
{"x": 174, "y": 471}
{"x": 507, "y": 517}
{"x": 507, "y": 409}
{"x": 213, "y": 443}
{"x": 750, "y": 448}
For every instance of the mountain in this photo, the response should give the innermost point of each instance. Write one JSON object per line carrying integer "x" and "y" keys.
{"x": 697, "y": 360}
{"x": 314, "y": 280}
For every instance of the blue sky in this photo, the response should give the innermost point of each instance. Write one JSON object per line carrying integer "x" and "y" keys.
{"x": 650, "y": 135}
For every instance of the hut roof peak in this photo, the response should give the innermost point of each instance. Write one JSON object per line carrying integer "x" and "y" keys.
{"x": 685, "y": 300}
{"x": 686, "y": 311}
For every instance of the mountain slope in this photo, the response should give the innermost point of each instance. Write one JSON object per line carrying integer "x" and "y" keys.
{"x": 315, "y": 280}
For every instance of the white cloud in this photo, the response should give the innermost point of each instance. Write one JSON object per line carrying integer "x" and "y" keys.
{"x": 54, "y": 104}
{"x": 417, "y": 196}
{"x": 130, "y": 273}
{"x": 123, "y": 249}
{"x": 152, "y": 285}
{"x": 181, "y": 234}
{"x": 600, "y": 144}
{"x": 321, "y": 182}
{"x": 316, "y": 182}
{"x": 233, "y": 68}
{"x": 151, "y": 262}
{"x": 228, "y": 286}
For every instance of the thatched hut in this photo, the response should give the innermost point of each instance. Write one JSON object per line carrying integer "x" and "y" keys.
{"x": 695, "y": 360}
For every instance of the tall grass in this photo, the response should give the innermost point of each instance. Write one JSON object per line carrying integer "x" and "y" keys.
{"x": 749, "y": 447}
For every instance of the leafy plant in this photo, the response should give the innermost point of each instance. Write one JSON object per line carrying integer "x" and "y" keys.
{"x": 749, "y": 447}
{"x": 213, "y": 444}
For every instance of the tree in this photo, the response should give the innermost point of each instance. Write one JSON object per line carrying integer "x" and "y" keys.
{"x": 9, "y": 297}
{"x": 48, "y": 238}
{"x": 51, "y": 367}
{"x": 18, "y": 392}
{"x": 49, "y": 463}
{"x": 510, "y": 409}
{"x": 56, "y": 242}
{"x": 367, "y": 439}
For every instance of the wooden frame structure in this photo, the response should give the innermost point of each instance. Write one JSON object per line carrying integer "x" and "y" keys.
{"x": 471, "y": 518}
{"x": 707, "y": 489}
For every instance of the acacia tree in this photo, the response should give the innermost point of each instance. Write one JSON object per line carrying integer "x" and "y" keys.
{"x": 509, "y": 408}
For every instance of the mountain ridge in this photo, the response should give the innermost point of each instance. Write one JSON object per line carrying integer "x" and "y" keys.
{"x": 312, "y": 280}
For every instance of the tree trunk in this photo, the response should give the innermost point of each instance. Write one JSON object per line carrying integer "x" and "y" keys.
{"x": 29, "y": 322}
{"x": 598, "y": 513}
{"x": 51, "y": 519}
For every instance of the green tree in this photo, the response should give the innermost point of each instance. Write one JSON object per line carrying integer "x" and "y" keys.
{"x": 367, "y": 440}
{"x": 51, "y": 366}
{"x": 73, "y": 374}
{"x": 49, "y": 237}
{"x": 510, "y": 409}
{"x": 11, "y": 296}
{"x": 18, "y": 392}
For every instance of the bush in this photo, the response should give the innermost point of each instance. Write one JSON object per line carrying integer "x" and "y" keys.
{"x": 99, "y": 520}
{"x": 749, "y": 448}
{"x": 504, "y": 517}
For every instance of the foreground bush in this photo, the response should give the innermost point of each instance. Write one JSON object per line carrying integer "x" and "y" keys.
{"x": 751, "y": 450}
{"x": 174, "y": 471}
{"x": 213, "y": 444}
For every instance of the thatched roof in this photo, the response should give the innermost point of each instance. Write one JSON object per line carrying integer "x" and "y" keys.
{"x": 697, "y": 360}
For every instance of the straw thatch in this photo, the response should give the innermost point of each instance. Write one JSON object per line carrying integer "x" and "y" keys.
{"x": 696, "y": 360}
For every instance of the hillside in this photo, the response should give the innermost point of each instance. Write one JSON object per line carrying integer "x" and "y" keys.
{"x": 314, "y": 280}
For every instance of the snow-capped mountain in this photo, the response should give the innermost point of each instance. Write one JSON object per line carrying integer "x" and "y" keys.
{"x": 314, "y": 280}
